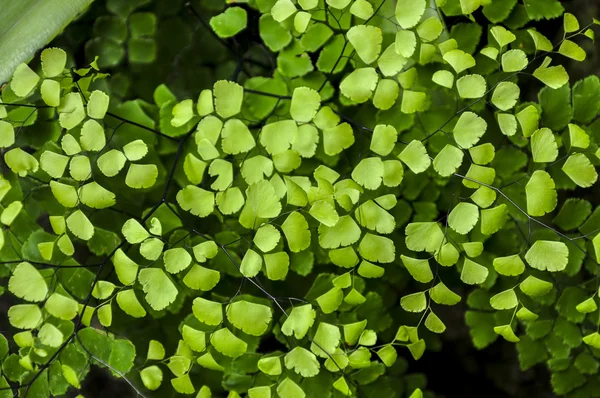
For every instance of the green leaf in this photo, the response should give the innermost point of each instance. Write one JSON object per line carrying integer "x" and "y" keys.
{"x": 152, "y": 377}
{"x": 7, "y": 134}
{"x": 408, "y": 13}
{"x": 543, "y": 146}
{"x": 504, "y": 300}
{"x": 295, "y": 228}
{"x": 176, "y": 260}
{"x": 415, "y": 157}
{"x": 506, "y": 332}
{"x": 444, "y": 78}
{"x": 236, "y": 137}
{"x": 419, "y": 269}
{"x": 228, "y": 98}
{"x": 270, "y": 365}
{"x": 469, "y": 129}
{"x": 61, "y": 306}
{"x": 282, "y": 10}
{"x": 129, "y": 303}
{"x": 369, "y": 215}
{"x": 305, "y": 104}
{"x": 548, "y": 255}
{"x": 196, "y": 200}
{"x": 587, "y": 306}
{"x": 448, "y": 160}
{"x": 424, "y": 236}
{"x": 298, "y": 322}
{"x": 377, "y": 248}
{"x": 552, "y": 76}
{"x": 209, "y": 312}
{"x": 586, "y": 96}
{"x": 251, "y": 318}
{"x": 571, "y": 50}
{"x": 182, "y": 112}
{"x": 473, "y": 273}
{"x": 331, "y": 300}
{"x": 471, "y": 86}
{"x": 140, "y": 176}
{"x": 535, "y": 287}
{"x": 80, "y": 225}
{"x": 303, "y": 362}
{"x": 463, "y": 217}
{"x": 50, "y": 91}
{"x": 326, "y": 340}
{"x": 416, "y": 302}
{"x": 580, "y": 170}
{"x": 369, "y": 173}
{"x": 71, "y": 111}
{"x": 459, "y": 60}
{"x": 277, "y": 265}
{"x": 287, "y": 388}
{"x": 509, "y": 265}
{"x": 366, "y": 41}
{"x": 506, "y": 95}
{"x": 492, "y": 220}
{"x": 227, "y": 343}
{"x": 160, "y": 290}
{"x": 251, "y": 264}
{"x": 359, "y": 84}
{"x": 230, "y": 22}
{"x": 261, "y": 203}
{"x": 541, "y": 194}
{"x": 111, "y": 162}
{"x": 273, "y": 34}
{"x": 514, "y": 61}
{"x": 20, "y": 162}
{"x": 27, "y": 283}
{"x": 405, "y": 43}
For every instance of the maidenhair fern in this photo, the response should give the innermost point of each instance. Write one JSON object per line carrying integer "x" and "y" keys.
{"x": 298, "y": 234}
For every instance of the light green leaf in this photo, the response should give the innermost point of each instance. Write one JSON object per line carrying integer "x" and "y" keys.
{"x": 424, "y": 236}
{"x": 377, "y": 248}
{"x": 514, "y": 61}
{"x": 97, "y": 104}
{"x": 297, "y": 234}
{"x": 552, "y": 76}
{"x": 261, "y": 203}
{"x": 506, "y": 332}
{"x": 176, "y": 260}
{"x": 111, "y": 162}
{"x": 415, "y": 157}
{"x": 96, "y": 196}
{"x": 227, "y": 343}
{"x": 152, "y": 377}
{"x": 62, "y": 307}
{"x": 502, "y": 36}
{"x": 509, "y": 265}
{"x": 251, "y": 318}
{"x": 473, "y": 273}
{"x": 535, "y": 287}
{"x": 416, "y": 302}
{"x": 469, "y": 129}
{"x": 419, "y": 269}
{"x": 24, "y": 80}
{"x": 270, "y": 365}
{"x": 408, "y": 12}
{"x": 448, "y": 160}
{"x": 366, "y": 40}
{"x": 287, "y": 388}
{"x": 230, "y": 22}
{"x": 359, "y": 84}
{"x": 459, "y": 60}
{"x": 160, "y": 290}
{"x": 277, "y": 265}
{"x": 71, "y": 111}
{"x": 506, "y": 95}
{"x": 305, "y": 104}
{"x": 129, "y": 303}
{"x": 405, "y": 43}
{"x": 251, "y": 264}
{"x": 299, "y": 321}
{"x": 337, "y": 138}
{"x": 209, "y": 312}
{"x": 331, "y": 300}
{"x": 228, "y": 98}
{"x": 20, "y": 162}
{"x": 444, "y": 78}
{"x": 543, "y": 146}
{"x": 80, "y": 225}
{"x": 196, "y": 200}
{"x": 504, "y": 300}
{"x": 572, "y": 50}
{"x": 237, "y": 138}
{"x": 140, "y": 176}
{"x": 471, "y": 86}
{"x": 440, "y": 294}
{"x": 303, "y": 362}
{"x": 50, "y": 91}
{"x": 463, "y": 217}
{"x": 27, "y": 283}
{"x": 541, "y": 194}
{"x": 547, "y": 255}
{"x": 580, "y": 170}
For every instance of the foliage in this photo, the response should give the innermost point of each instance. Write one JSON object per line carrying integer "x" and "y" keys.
{"x": 299, "y": 232}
